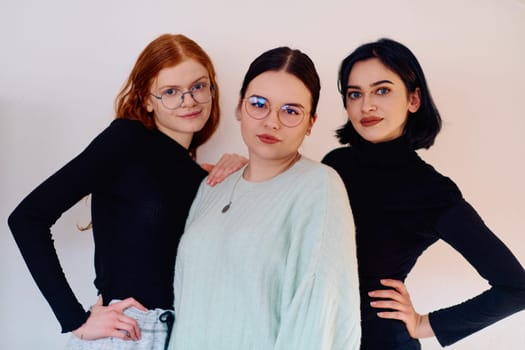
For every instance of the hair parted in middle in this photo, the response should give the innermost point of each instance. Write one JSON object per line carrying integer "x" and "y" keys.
{"x": 291, "y": 61}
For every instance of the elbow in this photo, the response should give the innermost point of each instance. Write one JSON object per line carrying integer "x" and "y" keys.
{"x": 21, "y": 222}
{"x": 14, "y": 220}
{"x": 517, "y": 296}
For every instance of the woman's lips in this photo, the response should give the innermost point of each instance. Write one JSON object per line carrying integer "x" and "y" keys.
{"x": 370, "y": 121}
{"x": 269, "y": 139}
{"x": 191, "y": 115}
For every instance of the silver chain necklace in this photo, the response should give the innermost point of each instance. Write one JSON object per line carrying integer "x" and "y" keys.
{"x": 227, "y": 206}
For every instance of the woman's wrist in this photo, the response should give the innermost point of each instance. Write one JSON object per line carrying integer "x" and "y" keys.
{"x": 424, "y": 328}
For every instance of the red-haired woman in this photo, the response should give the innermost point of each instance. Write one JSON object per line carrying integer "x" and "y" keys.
{"x": 142, "y": 177}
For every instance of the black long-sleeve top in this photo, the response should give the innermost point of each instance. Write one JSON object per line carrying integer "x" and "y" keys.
{"x": 401, "y": 206}
{"x": 142, "y": 184}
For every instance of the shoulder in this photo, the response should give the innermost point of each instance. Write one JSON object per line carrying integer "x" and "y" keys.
{"x": 337, "y": 155}
{"x": 127, "y": 128}
{"x": 313, "y": 169}
{"x": 439, "y": 185}
{"x": 121, "y": 134}
{"x": 341, "y": 159}
{"x": 315, "y": 177}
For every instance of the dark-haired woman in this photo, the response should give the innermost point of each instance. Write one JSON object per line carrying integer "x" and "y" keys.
{"x": 267, "y": 260}
{"x": 402, "y": 205}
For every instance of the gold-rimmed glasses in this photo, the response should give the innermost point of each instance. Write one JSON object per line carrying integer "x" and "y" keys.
{"x": 290, "y": 114}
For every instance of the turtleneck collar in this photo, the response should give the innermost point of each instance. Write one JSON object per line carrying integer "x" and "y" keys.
{"x": 386, "y": 154}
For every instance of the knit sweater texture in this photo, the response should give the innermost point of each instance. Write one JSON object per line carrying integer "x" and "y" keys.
{"x": 276, "y": 271}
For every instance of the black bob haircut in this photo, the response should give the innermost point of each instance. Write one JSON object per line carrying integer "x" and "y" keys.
{"x": 422, "y": 126}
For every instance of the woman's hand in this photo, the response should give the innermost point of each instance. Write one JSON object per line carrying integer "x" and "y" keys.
{"x": 398, "y": 300}
{"x": 110, "y": 321}
{"x": 228, "y": 164}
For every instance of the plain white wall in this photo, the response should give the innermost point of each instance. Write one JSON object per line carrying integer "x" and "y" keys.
{"x": 63, "y": 62}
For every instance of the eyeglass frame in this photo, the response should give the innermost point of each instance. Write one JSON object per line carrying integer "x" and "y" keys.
{"x": 297, "y": 105}
{"x": 190, "y": 91}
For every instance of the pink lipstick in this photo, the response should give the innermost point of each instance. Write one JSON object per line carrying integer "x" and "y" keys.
{"x": 268, "y": 139}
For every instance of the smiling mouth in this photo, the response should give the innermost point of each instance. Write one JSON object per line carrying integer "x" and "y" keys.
{"x": 191, "y": 115}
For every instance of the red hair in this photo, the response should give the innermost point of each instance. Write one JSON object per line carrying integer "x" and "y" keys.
{"x": 166, "y": 51}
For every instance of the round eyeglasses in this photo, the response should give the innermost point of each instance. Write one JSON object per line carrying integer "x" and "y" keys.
{"x": 173, "y": 98}
{"x": 258, "y": 107}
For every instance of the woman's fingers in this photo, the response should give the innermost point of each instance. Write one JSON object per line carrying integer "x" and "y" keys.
{"x": 388, "y": 304}
{"x": 127, "y": 328}
{"x": 227, "y": 164}
{"x": 399, "y": 306}
{"x": 110, "y": 321}
{"x": 126, "y": 303}
{"x": 393, "y": 315}
{"x": 396, "y": 284}
{"x": 385, "y": 294}
{"x": 128, "y": 324}
{"x": 399, "y": 292}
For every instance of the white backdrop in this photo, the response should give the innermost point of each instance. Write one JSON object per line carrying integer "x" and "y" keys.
{"x": 63, "y": 62}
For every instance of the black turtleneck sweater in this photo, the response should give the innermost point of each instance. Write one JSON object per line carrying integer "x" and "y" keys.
{"x": 401, "y": 206}
{"x": 142, "y": 185}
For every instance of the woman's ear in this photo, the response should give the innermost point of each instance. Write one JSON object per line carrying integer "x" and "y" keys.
{"x": 148, "y": 105}
{"x": 238, "y": 110}
{"x": 312, "y": 121}
{"x": 414, "y": 100}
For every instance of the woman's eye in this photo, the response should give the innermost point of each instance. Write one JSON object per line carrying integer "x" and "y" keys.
{"x": 353, "y": 95}
{"x": 198, "y": 86}
{"x": 290, "y": 110}
{"x": 383, "y": 91}
{"x": 170, "y": 92}
{"x": 257, "y": 102}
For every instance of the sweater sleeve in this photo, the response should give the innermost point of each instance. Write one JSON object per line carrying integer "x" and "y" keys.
{"x": 32, "y": 219}
{"x": 323, "y": 310}
{"x": 464, "y": 230}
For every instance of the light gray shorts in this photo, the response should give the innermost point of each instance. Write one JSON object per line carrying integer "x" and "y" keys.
{"x": 155, "y": 327}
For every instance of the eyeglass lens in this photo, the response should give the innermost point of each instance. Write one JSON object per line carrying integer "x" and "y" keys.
{"x": 259, "y": 107}
{"x": 173, "y": 98}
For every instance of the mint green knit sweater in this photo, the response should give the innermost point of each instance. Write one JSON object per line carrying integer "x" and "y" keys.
{"x": 278, "y": 270}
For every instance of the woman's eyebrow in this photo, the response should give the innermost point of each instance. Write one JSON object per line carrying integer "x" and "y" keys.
{"x": 379, "y": 82}
{"x": 178, "y": 87}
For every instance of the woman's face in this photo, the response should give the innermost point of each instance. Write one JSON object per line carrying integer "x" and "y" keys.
{"x": 377, "y": 101}
{"x": 287, "y": 97}
{"x": 176, "y": 116}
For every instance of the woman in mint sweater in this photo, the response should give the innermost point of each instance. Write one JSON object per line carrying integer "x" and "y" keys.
{"x": 267, "y": 260}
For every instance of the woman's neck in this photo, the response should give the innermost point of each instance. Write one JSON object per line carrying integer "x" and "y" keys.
{"x": 259, "y": 170}
{"x": 183, "y": 139}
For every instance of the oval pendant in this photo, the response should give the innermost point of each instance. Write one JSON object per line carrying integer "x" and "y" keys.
{"x": 226, "y": 207}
